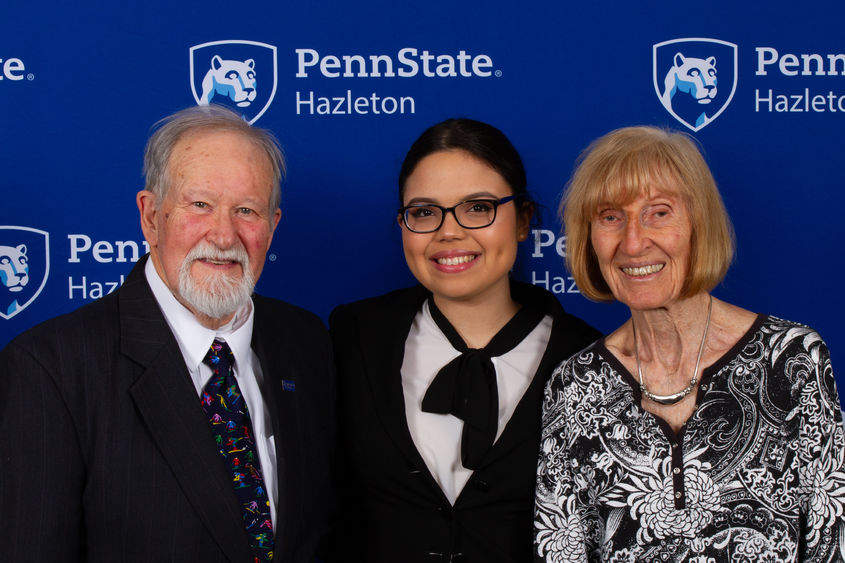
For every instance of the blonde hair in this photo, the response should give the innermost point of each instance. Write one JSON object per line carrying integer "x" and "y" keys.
{"x": 631, "y": 161}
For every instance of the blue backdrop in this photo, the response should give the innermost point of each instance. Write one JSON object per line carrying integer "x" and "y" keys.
{"x": 348, "y": 86}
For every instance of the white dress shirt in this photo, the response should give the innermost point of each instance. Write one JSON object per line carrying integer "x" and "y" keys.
{"x": 195, "y": 340}
{"x": 438, "y": 436}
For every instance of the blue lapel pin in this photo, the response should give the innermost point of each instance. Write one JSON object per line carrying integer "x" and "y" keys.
{"x": 288, "y": 385}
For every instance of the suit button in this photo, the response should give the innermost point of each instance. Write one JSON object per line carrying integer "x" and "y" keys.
{"x": 458, "y": 558}
{"x": 482, "y": 485}
{"x": 445, "y": 513}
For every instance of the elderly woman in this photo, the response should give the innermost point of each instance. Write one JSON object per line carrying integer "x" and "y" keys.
{"x": 697, "y": 431}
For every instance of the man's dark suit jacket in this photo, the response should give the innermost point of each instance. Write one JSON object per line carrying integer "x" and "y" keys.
{"x": 107, "y": 455}
{"x": 393, "y": 509}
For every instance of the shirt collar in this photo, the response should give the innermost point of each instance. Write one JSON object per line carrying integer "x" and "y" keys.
{"x": 193, "y": 338}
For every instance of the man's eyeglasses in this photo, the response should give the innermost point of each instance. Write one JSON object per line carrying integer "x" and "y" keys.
{"x": 470, "y": 214}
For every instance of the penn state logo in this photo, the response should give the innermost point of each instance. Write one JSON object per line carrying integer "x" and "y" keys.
{"x": 24, "y": 267}
{"x": 695, "y": 78}
{"x": 234, "y": 73}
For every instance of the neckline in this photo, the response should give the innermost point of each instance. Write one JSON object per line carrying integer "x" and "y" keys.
{"x": 512, "y": 333}
{"x": 706, "y": 374}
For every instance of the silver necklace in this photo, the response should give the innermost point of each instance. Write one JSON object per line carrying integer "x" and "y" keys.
{"x": 674, "y": 397}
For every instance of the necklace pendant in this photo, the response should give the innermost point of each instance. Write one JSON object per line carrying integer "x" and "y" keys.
{"x": 672, "y": 399}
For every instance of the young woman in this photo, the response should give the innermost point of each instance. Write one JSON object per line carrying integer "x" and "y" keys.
{"x": 440, "y": 385}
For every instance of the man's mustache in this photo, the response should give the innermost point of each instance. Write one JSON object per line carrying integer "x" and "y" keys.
{"x": 209, "y": 252}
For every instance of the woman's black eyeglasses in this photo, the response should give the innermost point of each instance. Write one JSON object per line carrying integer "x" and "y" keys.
{"x": 470, "y": 214}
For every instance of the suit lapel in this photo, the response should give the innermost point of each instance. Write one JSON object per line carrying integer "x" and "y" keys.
{"x": 382, "y": 342}
{"x": 525, "y": 420}
{"x": 168, "y": 404}
{"x": 285, "y": 420}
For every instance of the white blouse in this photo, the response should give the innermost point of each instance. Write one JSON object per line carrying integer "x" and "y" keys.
{"x": 438, "y": 436}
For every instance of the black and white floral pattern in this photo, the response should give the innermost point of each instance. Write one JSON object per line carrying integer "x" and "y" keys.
{"x": 756, "y": 474}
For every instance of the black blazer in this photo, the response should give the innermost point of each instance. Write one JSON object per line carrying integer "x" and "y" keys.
{"x": 106, "y": 453}
{"x": 393, "y": 509}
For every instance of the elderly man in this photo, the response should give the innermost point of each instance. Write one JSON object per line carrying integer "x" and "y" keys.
{"x": 181, "y": 418}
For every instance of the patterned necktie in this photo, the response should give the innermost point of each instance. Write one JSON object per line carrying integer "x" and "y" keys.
{"x": 229, "y": 419}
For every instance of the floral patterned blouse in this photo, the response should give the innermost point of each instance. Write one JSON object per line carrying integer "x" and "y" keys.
{"x": 756, "y": 474}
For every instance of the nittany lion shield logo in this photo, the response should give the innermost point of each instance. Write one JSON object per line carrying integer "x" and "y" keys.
{"x": 24, "y": 267}
{"x": 237, "y": 74}
{"x": 695, "y": 78}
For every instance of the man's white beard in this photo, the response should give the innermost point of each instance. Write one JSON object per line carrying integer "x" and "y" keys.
{"x": 216, "y": 295}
